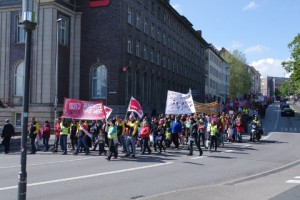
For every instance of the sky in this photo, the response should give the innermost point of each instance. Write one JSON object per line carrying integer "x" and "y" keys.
{"x": 260, "y": 29}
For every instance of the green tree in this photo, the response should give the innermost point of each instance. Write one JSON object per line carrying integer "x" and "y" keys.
{"x": 239, "y": 80}
{"x": 293, "y": 65}
{"x": 287, "y": 88}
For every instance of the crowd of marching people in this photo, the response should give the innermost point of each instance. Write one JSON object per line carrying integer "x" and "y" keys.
{"x": 151, "y": 134}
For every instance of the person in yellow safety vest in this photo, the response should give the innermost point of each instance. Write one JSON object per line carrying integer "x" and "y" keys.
{"x": 245, "y": 111}
{"x": 132, "y": 134}
{"x": 64, "y": 130}
{"x": 214, "y": 131}
{"x": 112, "y": 138}
{"x": 34, "y": 129}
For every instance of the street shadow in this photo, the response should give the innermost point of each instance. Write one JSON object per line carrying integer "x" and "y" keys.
{"x": 193, "y": 163}
{"x": 222, "y": 157}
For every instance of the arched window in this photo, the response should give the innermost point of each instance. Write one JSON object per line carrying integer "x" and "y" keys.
{"x": 99, "y": 83}
{"x": 19, "y": 79}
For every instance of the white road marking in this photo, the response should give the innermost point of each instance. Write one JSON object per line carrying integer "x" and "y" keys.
{"x": 47, "y": 163}
{"x": 293, "y": 181}
{"x": 228, "y": 151}
{"x": 276, "y": 123}
{"x": 297, "y": 176}
{"x": 198, "y": 157}
{"x": 87, "y": 176}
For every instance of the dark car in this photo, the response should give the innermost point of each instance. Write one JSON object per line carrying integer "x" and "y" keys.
{"x": 284, "y": 105}
{"x": 288, "y": 112}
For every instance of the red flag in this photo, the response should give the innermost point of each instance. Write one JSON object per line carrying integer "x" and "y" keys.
{"x": 134, "y": 106}
{"x": 108, "y": 111}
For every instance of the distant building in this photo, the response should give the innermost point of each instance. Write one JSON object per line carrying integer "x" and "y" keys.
{"x": 270, "y": 84}
{"x": 217, "y": 76}
{"x": 255, "y": 80}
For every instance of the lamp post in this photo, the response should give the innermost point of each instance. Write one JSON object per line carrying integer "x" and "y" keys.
{"x": 56, "y": 69}
{"x": 29, "y": 21}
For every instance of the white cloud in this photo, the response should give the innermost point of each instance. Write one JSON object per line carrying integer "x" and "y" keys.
{"x": 270, "y": 67}
{"x": 257, "y": 49}
{"x": 177, "y": 7}
{"x": 249, "y": 6}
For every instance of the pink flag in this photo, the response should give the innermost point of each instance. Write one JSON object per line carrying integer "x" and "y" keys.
{"x": 134, "y": 106}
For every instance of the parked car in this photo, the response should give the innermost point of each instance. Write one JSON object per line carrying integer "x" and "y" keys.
{"x": 288, "y": 112}
{"x": 284, "y": 105}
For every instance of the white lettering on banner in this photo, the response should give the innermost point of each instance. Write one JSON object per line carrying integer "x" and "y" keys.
{"x": 92, "y": 108}
{"x": 74, "y": 106}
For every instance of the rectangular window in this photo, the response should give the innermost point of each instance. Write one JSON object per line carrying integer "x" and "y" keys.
{"x": 129, "y": 45}
{"x": 158, "y": 58}
{"x": 164, "y": 61}
{"x": 138, "y": 21}
{"x": 63, "y": 36}
{"x": 129, "y": 16}
{"x": 18, "y": 120}
{"x": 20, "y": 32}
{"x": 152, "y": 55}
{"x": 152, "y": 30}
{"x": 158, "y": 34}
{"x": 153, "y": 7}
{"x": 164, "y": 38}
{"x": 137, "y": 49}
{"x": 146, "y": 25}
{"x": 145, "y": 52}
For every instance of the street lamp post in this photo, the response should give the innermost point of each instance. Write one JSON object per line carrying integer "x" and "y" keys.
{"x": 29, "y": 22}
{"x": 56, "y": 70}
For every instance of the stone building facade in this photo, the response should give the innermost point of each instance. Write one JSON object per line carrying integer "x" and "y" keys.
{"x": 139, "y": 48}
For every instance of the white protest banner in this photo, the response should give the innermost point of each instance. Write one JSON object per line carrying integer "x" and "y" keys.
{"x": 179, "y": 103}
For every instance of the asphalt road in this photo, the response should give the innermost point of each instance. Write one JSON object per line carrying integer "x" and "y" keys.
{"x": 269, "y": 169}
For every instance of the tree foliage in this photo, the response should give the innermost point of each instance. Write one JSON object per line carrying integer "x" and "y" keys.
{"x": 287, "y": 88}
{"x": 293, "y": 65}
{"x": 239, "y": 80}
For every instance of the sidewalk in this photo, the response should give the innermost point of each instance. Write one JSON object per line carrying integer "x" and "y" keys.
{"x": 15, "y": 143}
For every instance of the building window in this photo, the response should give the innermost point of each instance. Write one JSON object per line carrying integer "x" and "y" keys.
{"x": 20, "y": 32}
{"x": 19, "y": 79}
{"x": 164, "y": 61}
{"x": 99, "y": 83}
{"x": 145, "y": 52}
{"x": 129, "y": 45}
{"x": 153, "y": 7}
{"x": 63, "y": 31}
{"x": 152, "y": 30}
{"x": 158, "y": 58}
{"x": 159, "y": 34}
{"x": 146, "y": 25}
{"x": 129, "y": 17}
{"x": 152, "y": 55}
{"x": 138, "y": 49}
{"x": 18, "y": 120}
{"x": 164, "y": 38}
{"x": 138, "y": 20}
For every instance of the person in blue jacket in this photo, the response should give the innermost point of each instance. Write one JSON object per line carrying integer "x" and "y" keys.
{"x": 176, "y": 129}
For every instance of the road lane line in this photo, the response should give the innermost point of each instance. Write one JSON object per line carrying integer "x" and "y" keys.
{"x": 276, "y": 123}
{"x": 47, "y": 163}
{"x": 297, "y": 176}
{"x": 293, "y": 181}
{"x": 87, "y": 176}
